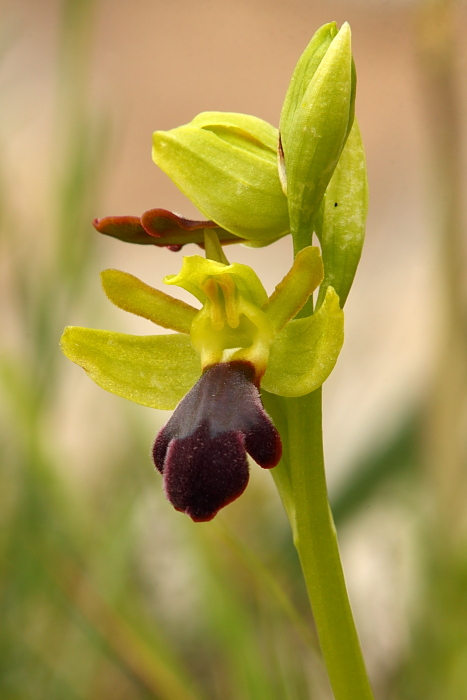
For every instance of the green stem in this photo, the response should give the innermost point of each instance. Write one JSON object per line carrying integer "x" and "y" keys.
{"x": 301, "y": 480}
{"x": 316, "y": 543}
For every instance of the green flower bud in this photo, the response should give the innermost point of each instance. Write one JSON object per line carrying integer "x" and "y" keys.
{"x": 305, "y": 69}
{"x": 315, "y": 122}
{"x": 226, "y": 164}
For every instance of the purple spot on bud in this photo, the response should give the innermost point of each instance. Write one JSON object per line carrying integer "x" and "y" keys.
{"x": 201, "y": 452}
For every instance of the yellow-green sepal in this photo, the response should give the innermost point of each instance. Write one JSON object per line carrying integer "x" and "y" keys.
{"x": 242, "y": 130}
{"x": 155, "y": 370}
{"x": 317, "y": 134}
{"x": 340, "y": 224}
{"x": 229, "y": 171}
{"x": 305, "y": 352}
{"x": 293, "y": 291}
{"x": 131, "y": 294}
{"x": 196, "y": 270}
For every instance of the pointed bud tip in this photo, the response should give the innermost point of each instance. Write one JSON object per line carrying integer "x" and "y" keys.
{"x": 344, "y": 33}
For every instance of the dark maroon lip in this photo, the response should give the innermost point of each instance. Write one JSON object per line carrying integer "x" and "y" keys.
{"x": 202, "y": 450}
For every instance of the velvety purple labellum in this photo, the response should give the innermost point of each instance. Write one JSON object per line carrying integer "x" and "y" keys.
{"x": 201, "y": 452}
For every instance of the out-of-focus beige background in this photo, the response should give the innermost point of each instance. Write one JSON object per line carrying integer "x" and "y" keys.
{"x": 154, "y": 65}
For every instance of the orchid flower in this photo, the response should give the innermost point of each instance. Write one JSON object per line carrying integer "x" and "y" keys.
{"x": 210, "y": 370}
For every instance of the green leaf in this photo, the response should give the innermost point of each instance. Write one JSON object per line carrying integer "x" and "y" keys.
{"x": 195, "y": 270}
{"x": 341, "y": 224}
{"x": 302, "y": 75}
{"x": 305, "y": 352}
{"x": 130, "y": 294}
{"x": 231, "y": 177}
{"x": 293, "y": 291}
{"x": 318, "y": 133}
{"x": 155, "y": 370}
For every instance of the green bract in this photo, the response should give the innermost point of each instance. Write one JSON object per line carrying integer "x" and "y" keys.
{"x": 237, "y": 321}
{"x": 316, "y": 118}
{"x": 340, "y": 224}
{"x": 227, "y": 165}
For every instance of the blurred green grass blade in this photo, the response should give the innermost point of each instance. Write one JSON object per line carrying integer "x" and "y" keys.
{"x": 267, "y": 581}
{"x": 241, "y": 618}
{"x": 44, "y": 524}
{"x": 141, "y": 660}
{"x": 20, "y": 686}
{"x": 78, "y": 184}
{"x": 397, "y": 457}
{"x": 41, "y": 562}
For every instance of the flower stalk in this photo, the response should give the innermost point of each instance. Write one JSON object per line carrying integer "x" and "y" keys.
{"x": 316, "y": 542}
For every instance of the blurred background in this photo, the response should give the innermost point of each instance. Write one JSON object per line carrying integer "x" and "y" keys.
{"x": 106, "y": 591}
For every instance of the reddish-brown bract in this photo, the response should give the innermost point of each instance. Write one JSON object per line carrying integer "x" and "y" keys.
{"x": 162, "y": 228}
